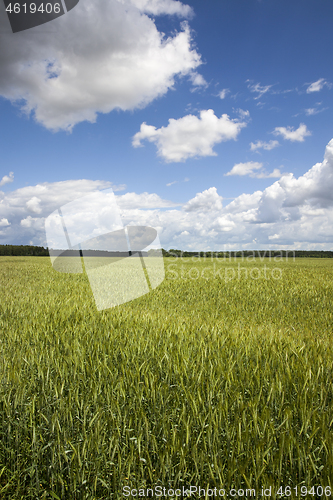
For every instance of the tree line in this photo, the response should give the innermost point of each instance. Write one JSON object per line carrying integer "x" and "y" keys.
{"x": 23, "y": 250}
{"x": 31, "y": 250}
{"x": 250, "y": 253}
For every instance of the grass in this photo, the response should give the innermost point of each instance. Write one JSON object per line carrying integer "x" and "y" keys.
{"x": 208, "y": 380}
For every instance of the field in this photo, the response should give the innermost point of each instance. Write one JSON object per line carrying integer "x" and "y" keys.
{"x": 220, "y": 377}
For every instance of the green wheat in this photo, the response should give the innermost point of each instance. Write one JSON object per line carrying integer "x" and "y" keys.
{"x": 203, "y": 381}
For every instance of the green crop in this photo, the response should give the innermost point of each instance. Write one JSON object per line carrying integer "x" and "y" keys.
{"x": 218, "y": 377}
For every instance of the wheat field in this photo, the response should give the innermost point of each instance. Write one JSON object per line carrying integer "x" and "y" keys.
{"x": 220, "y": 377}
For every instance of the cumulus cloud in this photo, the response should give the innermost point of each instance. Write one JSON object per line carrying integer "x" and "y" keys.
{"x": 189, "y": 136}
{"x": 26, "y": 208}
{"x": 102, "y": 56}
{"x": 290, "y": 213}
{"x": 7, "y": 178}
{"x": 263, "y": 145}
{"x": 290, "y": 134}
{"x": 291, "y": 198}
{"x": 143, "y": 200}
{"x": 159, "y": 7}
{"x": 28, "y": 221}
{"x": 265, "y": 175}
{"x": 206, "y": 201}
{"x": 33, "y": 205}
{"x": 253, "y": 169}
{"x": 318, "y": 85}
{"x": 245, "y": 168}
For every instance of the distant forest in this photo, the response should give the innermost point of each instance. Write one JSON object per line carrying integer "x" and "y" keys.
{"x": 250, "y": 253}
{"x": 29, "y": 250}
{"x": 20, "y": 250}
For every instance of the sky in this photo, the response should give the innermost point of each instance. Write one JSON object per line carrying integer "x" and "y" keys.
{"x": 211, "y": 120}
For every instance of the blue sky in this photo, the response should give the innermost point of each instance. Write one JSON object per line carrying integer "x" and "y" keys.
{"x": 209, "y": 133}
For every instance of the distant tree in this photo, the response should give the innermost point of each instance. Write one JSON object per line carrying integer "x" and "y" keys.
{"x": 23, "y": 250}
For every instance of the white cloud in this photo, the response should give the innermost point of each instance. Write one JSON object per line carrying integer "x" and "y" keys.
{"x": 245, "y": 168}
{"x": 158, "y": 7}
{"x": 264, "y": 175}
{"x": 290, "y": 213}
{"x": 7, "y": 178}
{"x": 33, "y": 205}
{"x": 314, "y": 111}
{"x": 264, "y": 145}
{"x": 291, "y": 134}
{"x": 41, "y": 200}
{"x": 253, "y": 169}
{"x": 223, "y": 94}
{"x": 190, "y": 136}
{"x": 259, "y": 89}
{"x": 243, "y": 113}
{"x": 206, "y": 201}
{"x": 244, "y": 203}
{"x": 290, "y": 198}
{"x": 176, "y": 182}
{"x": 142, "y": 201}
{"x": 4, "y": 222}
{"x": 317, "y": 86}
{"x": 107, "y": 56}
{"x": 28, "y": 221}
{"x": 198, "y": 80}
